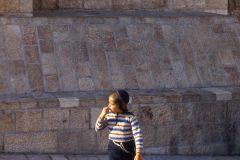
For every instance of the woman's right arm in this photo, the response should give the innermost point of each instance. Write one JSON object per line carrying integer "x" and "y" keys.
{"x": 101, "y": 122}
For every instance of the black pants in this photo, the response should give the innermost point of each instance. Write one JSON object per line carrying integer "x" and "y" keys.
{"x": 117, "y": 153}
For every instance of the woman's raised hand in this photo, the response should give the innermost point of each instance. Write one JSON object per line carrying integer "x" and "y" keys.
{"x": 104, "y": 112}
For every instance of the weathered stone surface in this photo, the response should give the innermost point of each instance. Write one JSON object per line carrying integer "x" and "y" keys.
{"x": 209, "y": 112}
{"x": 58, "y": 157}
{"x": 38, "y": 157}
{"x": 52, "y": 83}
{"x": 7, "y": 122}
{"x": 26, "y": 6}
{"x": 28, "y": 103}
{"x": 101, "y": 77}
{"x": 50, "y": 4}
{"x": 95, "y": 4}
{"x": 1, "y": 143}
{"x": 77, "y": 142}
{"x": 48, "y": 64}
{"x": 12, "y": 5}
{"x": 35, "y": 77}
{"x": 213, "y": 4}
{"x": 13, "y": 157}
{"x": 86, "y": 84}
{"x": 46, "y": 46}
{"x": 32, "y": 54}
{"x": 95, "y": 112}
{"x": 69, "y": 102}
{"x": 158, "y": 114}
{"x": 71, "y": 4}
{"x": 31, "y": 142}
{"x": 221, "y": 94}
{"x": 29, "y": 35}
{"x": 79, "y": 118}
{"x": 13, "y": 41}
{"x": 44, "y": 32}
{"x": 9, "y": 105}
{"x": 55, "y": 119}
{"x": 102, "y": 140}
{"x": 47, "y": 103}
{"x": 4, "y": 81}
{"x": 29, "y": 121}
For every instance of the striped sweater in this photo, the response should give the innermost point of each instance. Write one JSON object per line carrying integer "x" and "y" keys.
{"x": 122, "y": 128}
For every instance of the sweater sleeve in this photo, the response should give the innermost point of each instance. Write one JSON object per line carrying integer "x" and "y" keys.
{"x": 100, "y": 124}
{"x": 137, "y": 134}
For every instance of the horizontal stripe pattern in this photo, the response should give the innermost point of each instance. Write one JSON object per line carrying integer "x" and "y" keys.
{"x": 122, "y": 128}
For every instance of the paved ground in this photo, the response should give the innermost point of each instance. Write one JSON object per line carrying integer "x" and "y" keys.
{"x": 104, "y": 157}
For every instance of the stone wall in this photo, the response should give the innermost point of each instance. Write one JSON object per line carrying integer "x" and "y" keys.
{"x": 26, "y": 7}
{"x": 188, "y": 121}
{"x": 214, "y": 6}
{"x": 21, "y": 7}
{"x": 87, "y": 54}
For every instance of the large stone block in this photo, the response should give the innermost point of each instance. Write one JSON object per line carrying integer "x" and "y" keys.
{"x": 2, "y": 5}
{"x": 44, "y": 32}
{"x": 183, "y": 112}
{"x": 61, "y": 33}
{"x": 28, "y": 103}
{"x": 86, "y": 84}
{"x": 102, "y": 140}
{"x": 48, "y": 4}
{"x": 7, "y": 122}
{"x": 97, "y": 56}
{"x": 80, "y": 51}
{"x": 35, "y": 77}
{"x": 124, "y": 4}
{"x": 13, "y": 41}
{"x": 95, "y": 112}
{"x": 55, "y": 119}
{"x": 52, "y": 83}
{"x": 83, "y": 141}
{"x": 79, "y": 118}
{"x": 26, "y": 6}
{"x": 209, "y": 112}
{"x": 32, "y": 54}
{"x": 152, "y": 4}
{"x": 9, "y": 105}
{"x": 47, "y": 103}
{"x": 83, "y": 69}
{"x": 151, "y": 137}
{"x": 48, "y": 64}
{"x": 87, "y": 102}
{"x": 234, "y": 111}
{"x": 70, "y": 4}
{"x": 69, "y": 102}
{"x": 217, "y": 4}
{"x": 29, "y": 121}
{"x": 95, "y": 4}
{"x": 158, "y": 114}
{"x": 4, "y": 75}
{"x": 1, "y": 143}
{"x": 118, "y": 81}
{"x": 129, "y": 76}
{"x": 29, "y": 35}
{"x": 12, "y": 6}
{"x": 31, "y": 142}
{"x": 101, "y": 77}
{"x": 46, "y": 46}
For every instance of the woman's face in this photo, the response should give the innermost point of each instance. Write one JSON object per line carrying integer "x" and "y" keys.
{"x": 113, "y": 106}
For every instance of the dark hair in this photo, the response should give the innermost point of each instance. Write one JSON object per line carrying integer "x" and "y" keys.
{"x": 121, "y": 97}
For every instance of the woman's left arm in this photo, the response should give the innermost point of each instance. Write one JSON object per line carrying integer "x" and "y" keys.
{"x": 138, "y": 137}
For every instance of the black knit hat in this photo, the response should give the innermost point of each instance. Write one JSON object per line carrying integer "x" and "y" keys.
{"x": 123, "y": 95}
